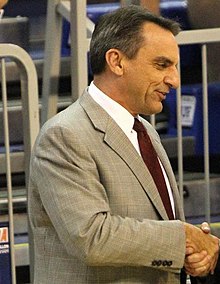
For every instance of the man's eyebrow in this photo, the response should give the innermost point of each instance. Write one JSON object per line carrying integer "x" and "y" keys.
{"x": 163, "y": 59}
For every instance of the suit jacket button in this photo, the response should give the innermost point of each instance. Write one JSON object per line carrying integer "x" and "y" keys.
{"x": 165, "y": 263}
{"x": 169, "y": 263}
{"x": 154, "y": 263}
{"x": 159, "y": 262}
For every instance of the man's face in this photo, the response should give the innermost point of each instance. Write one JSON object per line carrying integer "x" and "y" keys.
{"x": 150, "y": 75}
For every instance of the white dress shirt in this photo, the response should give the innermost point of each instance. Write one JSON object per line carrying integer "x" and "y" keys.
{"x": 125, "y": 121}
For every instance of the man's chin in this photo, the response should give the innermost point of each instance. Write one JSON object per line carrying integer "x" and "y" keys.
{"x": 153, "y": 111}
{"x": 157, "y": 110}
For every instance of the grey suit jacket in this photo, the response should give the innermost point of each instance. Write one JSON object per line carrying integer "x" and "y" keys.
{"x": 94, "y": 209}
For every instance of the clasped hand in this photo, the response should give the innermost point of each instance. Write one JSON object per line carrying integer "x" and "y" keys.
{"x": 202, "y": 250}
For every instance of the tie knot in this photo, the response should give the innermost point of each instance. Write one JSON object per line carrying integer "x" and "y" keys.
{"x": 138, "y": 126}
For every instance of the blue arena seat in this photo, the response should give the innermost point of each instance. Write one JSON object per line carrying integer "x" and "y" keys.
{"x": 192, "y": 115}
{"x": 176, "y": 10}
{"x": 190, "y": 55}
{"x": 94, "y": 12}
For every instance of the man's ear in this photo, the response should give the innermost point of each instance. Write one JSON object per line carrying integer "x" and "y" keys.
{"x": 114, "y": 58}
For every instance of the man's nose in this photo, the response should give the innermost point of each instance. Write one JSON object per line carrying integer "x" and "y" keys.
{"x": 172, "y": 79}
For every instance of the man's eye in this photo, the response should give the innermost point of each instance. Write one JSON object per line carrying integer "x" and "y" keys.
{"x": 161, "y": 65}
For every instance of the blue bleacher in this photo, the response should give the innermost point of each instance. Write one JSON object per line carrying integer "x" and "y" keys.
{"x": 94, "y": 12}
{"x": 176, "y": 10}
{"x": 190, "y": 54}
{"x": 193, "y": 126}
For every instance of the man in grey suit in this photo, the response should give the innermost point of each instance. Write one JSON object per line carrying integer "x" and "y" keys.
{"x": 95, "y": 211}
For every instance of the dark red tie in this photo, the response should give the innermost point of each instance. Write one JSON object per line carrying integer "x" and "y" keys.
{"x": 149, "y": 156}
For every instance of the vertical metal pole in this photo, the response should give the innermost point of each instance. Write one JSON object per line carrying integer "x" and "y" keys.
{"x": 8, "y": 171}
{"x": 180, "y": 139}
{"x": 206, "y": 132}
{"x": 51, "y": 67}
{"x": 79, "y": 48}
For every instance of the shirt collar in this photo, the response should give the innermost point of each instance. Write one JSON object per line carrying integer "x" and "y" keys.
{"x": 121, "y": 116}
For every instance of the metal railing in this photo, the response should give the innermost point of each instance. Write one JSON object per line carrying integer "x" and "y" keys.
{"x": 30, "y": 113}
{"x": 57, "y": 10}
{"x": 202, "y": 37}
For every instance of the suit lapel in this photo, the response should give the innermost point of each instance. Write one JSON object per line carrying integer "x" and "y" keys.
{"x": 118, "y": 141}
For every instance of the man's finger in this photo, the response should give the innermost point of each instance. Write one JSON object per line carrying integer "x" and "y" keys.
{"x": 205, "y": 227}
